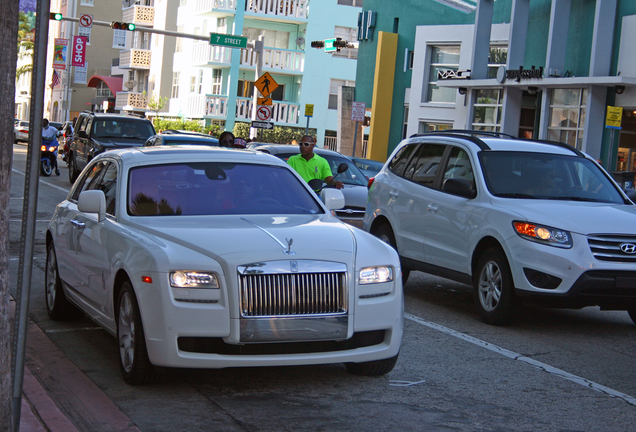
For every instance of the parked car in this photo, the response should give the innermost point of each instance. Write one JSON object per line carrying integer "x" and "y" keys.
{"x": 355, "y": 183}
{"x": 20, "y": 131}
{"x": 181, "y": 139}
{"x": 368, "y": 167}
{"x": 96, "y": 133}
{"x": 520, "y": 220}
{"x": 200, "y": 257}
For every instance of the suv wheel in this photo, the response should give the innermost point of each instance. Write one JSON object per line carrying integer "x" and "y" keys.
{"x": 632, "y": 314}
{"x": 494, "y": 290}
{"x": 72, "y": 168}
{"x": 385, "y": 233}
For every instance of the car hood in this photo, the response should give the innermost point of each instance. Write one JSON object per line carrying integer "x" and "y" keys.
{"x": 254, "y": 237}
{"x": 355, "y": 196}
{"x": 579, "y": 217}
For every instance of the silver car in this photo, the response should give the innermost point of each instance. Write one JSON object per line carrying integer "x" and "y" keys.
{"x": 21, "y": 131}
{"x": 355, "y": 182}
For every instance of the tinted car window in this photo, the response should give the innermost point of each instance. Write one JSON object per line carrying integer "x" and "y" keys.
{"x": 215, "y": 188}
{"x": 401, "y": 158}
{"x": 424, "y": 165}
{"x": 90, "y": 179}
{"x": 108, "y": 184}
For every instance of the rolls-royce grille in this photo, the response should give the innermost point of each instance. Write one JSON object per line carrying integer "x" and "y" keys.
{"x": 292, "y": 294}
{"x": 616, "y": 248}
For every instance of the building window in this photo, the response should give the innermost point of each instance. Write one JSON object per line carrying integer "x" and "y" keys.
{"x": 357, "y": 3}
{"x": 442, "y": 58}
{"x": 119, "y": 39}
{"x": 498, "y": 56}
{"x": 246, "y": 89}
{"x": 350, "y": 35}
{"x": 200, "y": 82}
{"x": 488, "y": 108}
{"x": 145, "y": 42}
{"x": 179, "y": 41}
{"x": 424, "y": 126}
{"x": 86, "y": 2}
{"x": 103, "y": 90}
{"x": 182, "y": 2}
{"x": 272, "y": 38}
{"x": 175, "y": 84}
{"x": 567, "y": 116}
{"x": 217, "y": 80}
{"x": 405, "y": 121}
{"x": 193, "y": 83}
{"x": 221, "y": 25}
{"x": 333, "y": 91}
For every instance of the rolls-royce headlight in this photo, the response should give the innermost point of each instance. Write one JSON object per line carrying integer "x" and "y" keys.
{"x": 193, "y": 279}
{"x": 379, "y": 274}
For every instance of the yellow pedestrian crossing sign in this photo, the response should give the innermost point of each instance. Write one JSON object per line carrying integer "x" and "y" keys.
{"x": 266, "y": 84}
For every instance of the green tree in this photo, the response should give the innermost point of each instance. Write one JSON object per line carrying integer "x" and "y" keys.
{"x": 26, "y": 22}
{"x": 156, "y": 104}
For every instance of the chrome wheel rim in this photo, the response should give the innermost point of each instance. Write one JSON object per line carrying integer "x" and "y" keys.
{"x": 126, "y": 330}
{"x": 490, "y": 288}
{"x": 51, "y": 279}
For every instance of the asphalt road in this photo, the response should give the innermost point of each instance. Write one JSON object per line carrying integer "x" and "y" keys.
{"x": 554, "y": 370}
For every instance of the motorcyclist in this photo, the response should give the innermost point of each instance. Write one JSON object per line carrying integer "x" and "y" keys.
{"x": 49, "y": 133}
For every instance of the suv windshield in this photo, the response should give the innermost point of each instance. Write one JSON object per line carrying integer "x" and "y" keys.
{"x": 546, "y": 176}
{"x": 115, "y": 128}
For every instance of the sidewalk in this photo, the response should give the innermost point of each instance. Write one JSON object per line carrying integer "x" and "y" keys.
{"x": 87, "y": 407}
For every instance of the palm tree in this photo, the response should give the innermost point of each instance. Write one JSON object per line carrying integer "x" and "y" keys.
{"x": 26, "y": 36}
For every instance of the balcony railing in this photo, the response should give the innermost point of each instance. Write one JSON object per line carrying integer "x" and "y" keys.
{"x": 136, "y": 100}
{"x": 204, "y": 6}
{"x": 281, "y": 8}
{"x": 282, "y": 112}
{"x": 273, "y": 58}
{"x": 134, "y": 59}
{"x": 142, "y": 15}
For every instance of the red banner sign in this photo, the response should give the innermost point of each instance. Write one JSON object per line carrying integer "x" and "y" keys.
{"x": 79, "y": 51}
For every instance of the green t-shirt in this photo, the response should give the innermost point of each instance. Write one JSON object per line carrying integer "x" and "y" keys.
{"x": 315, "y": 168}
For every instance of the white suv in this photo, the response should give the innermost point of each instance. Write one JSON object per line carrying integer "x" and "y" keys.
{"x": 520, "y": 220}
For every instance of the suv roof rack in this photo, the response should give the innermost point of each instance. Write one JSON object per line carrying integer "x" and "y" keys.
{"x": 472, "y": 132}
{"x": 558, "y": 144}
{"x": 451, "y": 133}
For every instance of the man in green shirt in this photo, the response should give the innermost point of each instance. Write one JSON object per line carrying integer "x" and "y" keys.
{"x": 310, "y": 165}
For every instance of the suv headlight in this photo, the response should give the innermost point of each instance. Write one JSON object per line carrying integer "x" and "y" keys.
{"x": 378, "y": 274}
{"x": 543, "y": 234}
{"x": 193, "y": 279}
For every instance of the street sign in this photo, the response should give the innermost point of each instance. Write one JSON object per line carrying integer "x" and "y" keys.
{"x": 86, "y": 20}
{"x": 266, "y": 84}
{"x": 329, "y": 45}
{"x": 264, "y": 101}
{"x": 309, "y": 110}
{"x": 614, "y": 117}
{"x": 228, "y": 40}
{"x": 357, "y": 111}
{"x": 263, "y": 113}
{"x": 262, "y": 125}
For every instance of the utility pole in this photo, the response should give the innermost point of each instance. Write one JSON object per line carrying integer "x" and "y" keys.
{"x": 257, "y": 46}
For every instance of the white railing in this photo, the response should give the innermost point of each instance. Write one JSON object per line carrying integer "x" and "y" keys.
{"x": 276, "y": 58}
{"x": 288, "y": 8}
{"x": 203, "y": 6}
{"x": 282, "y": 112}
{"x": 143, "y": 15}
{"x": 204, "y": 53}
{"x": 134, "y": 59}
{"x": 331, "y": 143}
{"x": 196, "y": 106}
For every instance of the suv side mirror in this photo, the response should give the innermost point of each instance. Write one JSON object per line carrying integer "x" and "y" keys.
{"x": 82, "y": 134}
{"x": 459, "y": 187}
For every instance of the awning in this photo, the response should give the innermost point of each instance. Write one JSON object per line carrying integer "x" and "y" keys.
{"x": 113, "y": 83}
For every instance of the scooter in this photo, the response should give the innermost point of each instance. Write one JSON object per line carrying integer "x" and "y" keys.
{"x": 48, "y": 157}
{"x": 318, "y": 185}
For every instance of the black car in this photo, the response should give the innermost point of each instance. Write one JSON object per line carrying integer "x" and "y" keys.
{"x": 181, "y": 139}
{"x": 96, "y": 133}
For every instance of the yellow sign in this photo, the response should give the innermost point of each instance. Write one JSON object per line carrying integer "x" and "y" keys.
{"x": 309, "y": 110}
{"x": 266, "y": 84}
{"x": 614, "y": 117}
{"x": 264, "y": 101}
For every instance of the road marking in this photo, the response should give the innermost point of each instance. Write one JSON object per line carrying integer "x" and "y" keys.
{"x": 43, "y": 181}
{"x": 400, "y": 383}
{"x": 537, "y": 364}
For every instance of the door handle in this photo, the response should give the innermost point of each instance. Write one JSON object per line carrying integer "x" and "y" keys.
{"x": 78, "y": 224}
{"x": 432, "y": 208}
{"x": 394, "y": 193}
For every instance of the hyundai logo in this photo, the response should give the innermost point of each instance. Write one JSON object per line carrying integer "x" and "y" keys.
{"x": 628, "y": 248}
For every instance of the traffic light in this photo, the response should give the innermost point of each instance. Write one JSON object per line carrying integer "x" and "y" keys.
{"x": 55, "y": 16}
{"x": 317, "y": 44}
{"x": 339, "y": 43}
{"x": 122, "y": 26}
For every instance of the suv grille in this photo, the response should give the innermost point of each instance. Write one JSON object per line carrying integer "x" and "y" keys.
{"x": 616, "y": 248}
{"x": 292, "y": 294}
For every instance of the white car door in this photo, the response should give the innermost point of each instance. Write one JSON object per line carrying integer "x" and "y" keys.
{"x": 449, "y": 217}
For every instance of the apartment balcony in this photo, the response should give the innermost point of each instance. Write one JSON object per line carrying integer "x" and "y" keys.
{"x": 134, "y": 59}
{"x": 140, "y": 15}
{"x": 282, "y": 9}
{"x": 219, "y": 8}
{"x": 283, "y": 113}
{"x": 135, "y": 100}
{"x": 274, "y": 59}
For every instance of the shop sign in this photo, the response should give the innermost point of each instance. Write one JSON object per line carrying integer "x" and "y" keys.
{"x": 453, "y": 74}
{"x": 519, "y": 74}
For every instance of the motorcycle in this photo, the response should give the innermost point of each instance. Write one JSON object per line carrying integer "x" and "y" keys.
{"x": 318, "y": 185}
{"x": 48, "y": 157}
